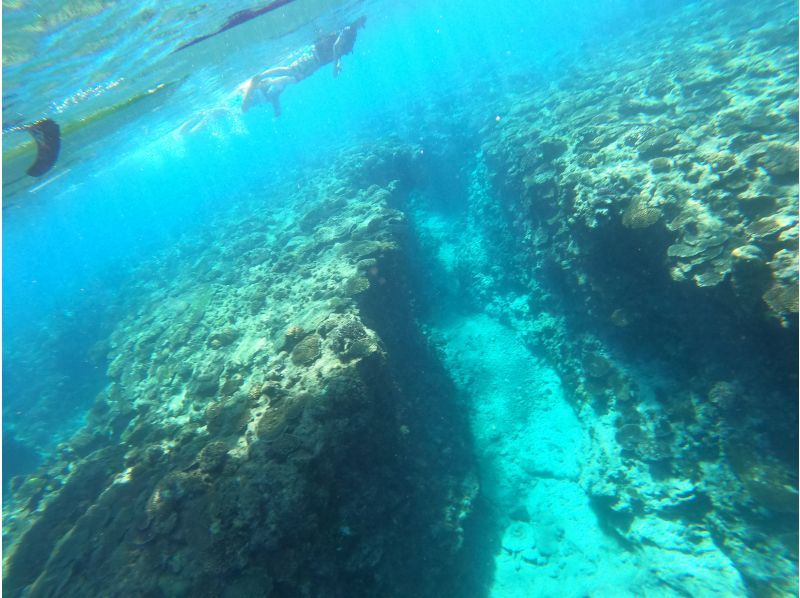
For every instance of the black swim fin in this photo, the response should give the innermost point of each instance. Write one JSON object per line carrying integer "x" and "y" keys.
{"x": 47, "y": 135}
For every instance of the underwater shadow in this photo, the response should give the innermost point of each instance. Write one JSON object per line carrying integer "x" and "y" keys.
{"x": 436, "y": 408}
{"x": 475, "y": 569}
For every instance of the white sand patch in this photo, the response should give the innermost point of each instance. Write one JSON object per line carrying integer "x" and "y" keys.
{"x": 535, "y": 454}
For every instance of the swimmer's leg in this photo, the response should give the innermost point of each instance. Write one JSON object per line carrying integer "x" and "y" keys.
{"x": 276, "y": 104}
{"x": 202, "y": 119}
{"x": 249, "y": 93}
{"x": 278, "y": 70}
{"x": 273, "y": 93}
{"x": 277, "y": 82}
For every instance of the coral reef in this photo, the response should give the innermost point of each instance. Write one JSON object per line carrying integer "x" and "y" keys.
{"x": 582, "y": 308}
{"x": 637, "y": 227}
{"x": 703, "y": 162}
{"x": 256, "y": 438}
{"x": 664, "y": 228}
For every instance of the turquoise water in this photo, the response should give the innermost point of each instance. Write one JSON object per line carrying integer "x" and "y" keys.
{"x": 506, "y": 308}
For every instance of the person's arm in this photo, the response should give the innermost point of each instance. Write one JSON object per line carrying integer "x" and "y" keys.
{"x": 344, "y": 44}
{"x": 338, "y": 47}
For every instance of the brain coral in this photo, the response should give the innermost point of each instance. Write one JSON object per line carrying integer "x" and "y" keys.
{"x": 347, "y": 333}
{"x": 272, "y": 424}
{"x": 640, "y": 216}
{"x": 356, "y": 285}
{"x": 307, "y": 350}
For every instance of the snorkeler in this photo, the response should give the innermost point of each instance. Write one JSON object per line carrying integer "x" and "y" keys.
{"x": 268, "y": 85}
{"x": 328, "y": 49}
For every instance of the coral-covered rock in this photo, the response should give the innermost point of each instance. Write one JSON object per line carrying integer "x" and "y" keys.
{"x": 307, "y": 350}
{"x": 257, "y": 459}
{"x": 223, "y": 338}
{"x": 292, "y": 336}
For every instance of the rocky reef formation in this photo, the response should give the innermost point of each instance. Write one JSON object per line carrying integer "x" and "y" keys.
{"x": 692, "y": 161}
{"x": 262, "y": 433}
{"x": 651, "y": 215}
{"x": 607, "y": 267}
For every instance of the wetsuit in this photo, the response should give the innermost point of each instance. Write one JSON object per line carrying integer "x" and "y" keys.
{"x": 314, "y": 57}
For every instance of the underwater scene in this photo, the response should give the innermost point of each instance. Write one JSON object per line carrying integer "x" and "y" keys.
{"x": 435, "y": 298}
